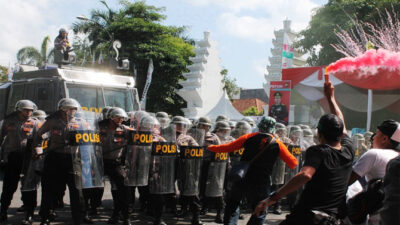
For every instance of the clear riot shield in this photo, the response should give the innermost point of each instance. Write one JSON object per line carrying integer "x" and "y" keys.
{"x": 163, "y": 163}
{"x": 191, "y": 159}
{"x": 216, "y": 175}
{"x": 296, "y": 152}
{"x": 31, "y": 179}
{"x": 84, "y": 144}
{"x": 138, "y": 154}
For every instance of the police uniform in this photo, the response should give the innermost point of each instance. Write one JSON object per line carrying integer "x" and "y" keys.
{"x": 279, "y": 112}
{"x": 192, "y": 201}
{"x": 16, "y": 138}
{"x": 58, "y": 166}
{"x": 113, "y": 143}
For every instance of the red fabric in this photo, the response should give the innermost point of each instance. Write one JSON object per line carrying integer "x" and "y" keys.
{"x": 376, "y": 70}
{"x": 296, "y": 75}
{"x": 384, "y": 79}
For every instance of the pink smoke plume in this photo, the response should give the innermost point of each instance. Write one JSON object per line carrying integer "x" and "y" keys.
{"x": 378, "y": 69}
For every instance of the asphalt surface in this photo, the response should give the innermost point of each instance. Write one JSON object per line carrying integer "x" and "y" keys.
{"x": 104, "y": 212}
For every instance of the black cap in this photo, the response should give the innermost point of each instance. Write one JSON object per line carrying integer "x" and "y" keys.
{"x": 278, "y": 94}
{"x": 388, "y": 128}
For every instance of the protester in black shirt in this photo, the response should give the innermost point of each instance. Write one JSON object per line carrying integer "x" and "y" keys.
{"x": 325, "y": 173}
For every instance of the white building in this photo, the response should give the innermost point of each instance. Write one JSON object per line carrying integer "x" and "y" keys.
{"x": 203, "y": 87}
{"x": 284, "y": 38}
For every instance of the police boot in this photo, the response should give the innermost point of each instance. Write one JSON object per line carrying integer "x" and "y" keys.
{"x": 204, "y": 211}
{"x": 183, "y": 212}
{"x": 219, "y": 218}
{"x": 114, "y": 219}
{"x": 3, "y": 218}
{"x": 196, "y": 220}
{"x": 277, "y": 209}
{"x": 45, "y": 222}
{"x": 159, "y": 222}
{"x": 28, "y": 218}
{"x": 126, "y": 221}
{"x": 52, "y": 215}
{"x": 87, "y": 219}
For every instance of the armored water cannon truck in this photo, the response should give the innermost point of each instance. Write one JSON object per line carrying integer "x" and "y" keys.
{"x": 92, "y": 89}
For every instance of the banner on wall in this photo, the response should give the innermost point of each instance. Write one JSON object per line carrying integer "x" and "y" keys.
{"x": 279, "y": 101}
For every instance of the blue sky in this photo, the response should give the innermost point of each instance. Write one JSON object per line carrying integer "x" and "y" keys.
{"x": 242, "y": 28}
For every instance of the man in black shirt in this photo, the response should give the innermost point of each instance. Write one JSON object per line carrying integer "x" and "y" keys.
{"x": 325, "y": 173}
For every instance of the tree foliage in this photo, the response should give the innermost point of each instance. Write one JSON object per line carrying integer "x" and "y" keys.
{"x": 230, "y": 85}
{"x": 318, "y": 38}
{"x": 32, "y": 56}
{"x": 138, "y": 27}
{"x": 3, "y": 74}
{"x": 252, "y": 111}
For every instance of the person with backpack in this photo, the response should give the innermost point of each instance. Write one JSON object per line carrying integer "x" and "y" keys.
{"x": 325, "y": 174}
{"x": 261, "y": 150}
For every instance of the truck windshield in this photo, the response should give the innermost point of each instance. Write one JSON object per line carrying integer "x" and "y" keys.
{"x": 119, "y": 97}
{"x": 91, "y": 98}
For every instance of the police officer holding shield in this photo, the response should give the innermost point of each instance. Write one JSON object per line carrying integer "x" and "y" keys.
{"x": 214, "y": 190}
{"x": 183, "y": 139}
{"x": 162, "y": 170}
{"x": 191, "y": 159}
{"x": 16, "y": 135}
{"x": 59, "y": 167}
{"x": 113, "y": 138}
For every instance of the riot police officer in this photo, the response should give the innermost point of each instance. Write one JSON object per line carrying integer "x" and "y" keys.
{"x": 16, "y": 136}
{"x": 222, "y": 118}
{"x": 205, "y": 124}
{"x": 241, "y": 128}
{"x": 113, "y": 138}
{"x": 59, "y": 167}
{"x": 163, "y": 118}
{"x": 278, "y": 171}
{"x": 250, "y": 121}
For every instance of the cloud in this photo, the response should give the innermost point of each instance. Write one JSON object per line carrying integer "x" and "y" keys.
{"x": 257, "y": 19}
{"x": 26, "y": 23}
{"x": 259, "y": 67}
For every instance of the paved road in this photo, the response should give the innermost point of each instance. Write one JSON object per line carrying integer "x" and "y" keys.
{"x": 64, "y": 216}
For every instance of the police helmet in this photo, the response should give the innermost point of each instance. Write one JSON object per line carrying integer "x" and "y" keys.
{"x": 162, "y": 115}
{"x": 221, "y": 118}
{"x": 178, "y": 120}
{"x": 307, "y": 133}
{"x": 147, "y": 123}
{"x": 249, "y": 120}
{"x": 68, "y": 103}
{"x": 62, "y": 30}
{"x": 222, "y": 125}
{"x": 232, "y": 124}
{"x": 105, "y": 111}
{"x": 243, "y": 127}
{"x": 304, "y": 127}
{"x": 25, "y": 104}
{"x": 266, "y": 124}
{"x": 40, "y": 114}
{"x": 204, "y": 121}
{"x": 280, "y": 126}
{"x": 295, "y": 128}
{"x": 117, "y": 112}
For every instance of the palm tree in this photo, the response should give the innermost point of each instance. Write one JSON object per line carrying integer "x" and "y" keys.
{"x": 32, "y": 56}
{"x": 97, "y": 25}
